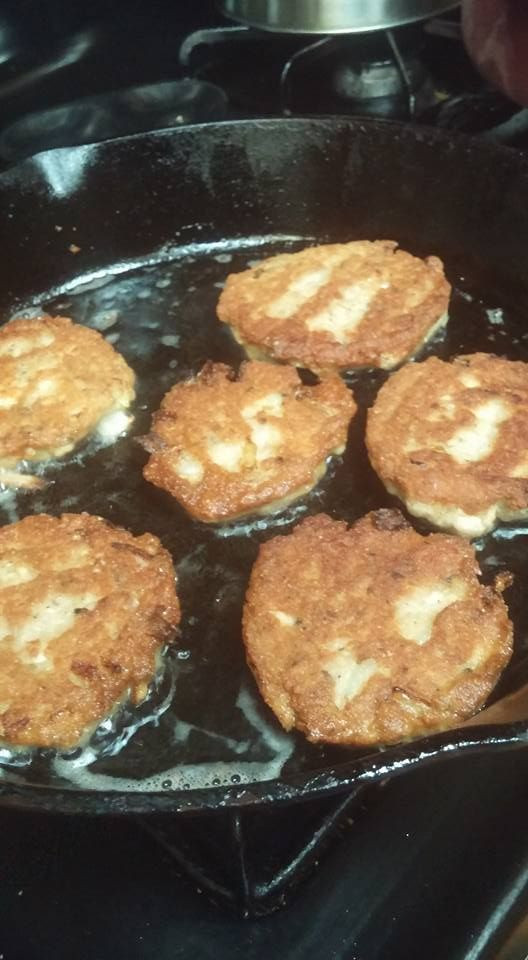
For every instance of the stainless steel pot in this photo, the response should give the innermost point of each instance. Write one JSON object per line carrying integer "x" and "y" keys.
{"x": 331, "y": 16}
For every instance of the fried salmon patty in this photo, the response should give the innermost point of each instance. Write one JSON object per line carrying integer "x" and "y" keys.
{"x": 372, "y": 634}
{"x": 451, "y": 440}
{"x": 85, "y": 609}
{"x": 57, "y": 381}
{"x": 225, "y": 446}
{"x": 342, "y": 305}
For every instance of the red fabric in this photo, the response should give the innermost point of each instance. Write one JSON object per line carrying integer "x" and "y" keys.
{"x": 496, "y": 36}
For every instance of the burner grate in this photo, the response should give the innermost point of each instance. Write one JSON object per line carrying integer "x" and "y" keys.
{"x": 253, "y": 861}
{"x": 381, "y": 74}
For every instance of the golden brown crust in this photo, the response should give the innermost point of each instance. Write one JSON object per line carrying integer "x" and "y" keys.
{"x": 85, "y": 609}
{"x": 226, "y": 446}
{"x": 454, "y": 434}
{"x": 57, "y": 380}
{"x": 372, "y": 634}
{"x": 337, "y": 306}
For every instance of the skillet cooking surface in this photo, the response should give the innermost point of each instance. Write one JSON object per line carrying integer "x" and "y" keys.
{"x": 204, "y": 738}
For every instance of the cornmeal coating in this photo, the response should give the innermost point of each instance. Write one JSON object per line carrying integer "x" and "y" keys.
{"x": 225, "y": 446}
{"x": 85, "y": 610}
{"x": 58, "y": 380}
{"x": 337, "y": 306}
{"x": 372, "y": 634}
{"x": 451, "y": 441}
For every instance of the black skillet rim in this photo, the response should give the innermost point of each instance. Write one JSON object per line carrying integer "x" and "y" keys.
{"x": 394, "y": 761}
{"x": 313, "y": 784}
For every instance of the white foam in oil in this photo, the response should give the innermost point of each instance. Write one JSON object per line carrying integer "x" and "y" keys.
{"x": 277, "y": 744}
{"x": 110, "y": 428}
{"x": 165, "y": 255}
{"x": 9, "y": 504}
{"x": 495, "y": 316}
{"x": 183, "y": 730}
{"x": 281, "y": 517}
{"x": 246, "y": 527}
{"x": 104, "y": 319}
{"x": 111, "y": 737}
{"x": 114, "y": 732}
{"x": 170, "y": 340}
{"x": 113, "y": 740}
{"x": 15, "y": 757}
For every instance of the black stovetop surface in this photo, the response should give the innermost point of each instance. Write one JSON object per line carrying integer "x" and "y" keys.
{"x": 75, "y": 73}
{"x": 434, "y": 867}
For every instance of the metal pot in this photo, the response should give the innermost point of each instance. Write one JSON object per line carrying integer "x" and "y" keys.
{"x": 331, "y": 16}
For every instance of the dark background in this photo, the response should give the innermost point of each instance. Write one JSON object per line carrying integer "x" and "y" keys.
{"x": 435, "y": 866}
{"x": 125, "y": 42}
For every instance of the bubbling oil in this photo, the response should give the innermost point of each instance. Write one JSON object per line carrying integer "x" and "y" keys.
{"x": 209, "y": 725}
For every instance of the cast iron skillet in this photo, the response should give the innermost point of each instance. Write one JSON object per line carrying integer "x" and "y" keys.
{"x": 135, "y": 236}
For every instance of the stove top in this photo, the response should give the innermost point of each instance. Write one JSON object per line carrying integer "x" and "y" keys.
{"x": 110, "y": 72}
{"x": 433, "y": 866}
